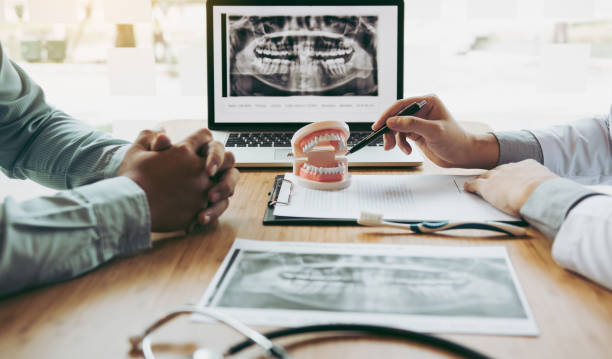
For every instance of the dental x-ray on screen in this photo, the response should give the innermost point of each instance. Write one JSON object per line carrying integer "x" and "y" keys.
{"x": 284, "y": 55}
{"x": 281, "y": 62}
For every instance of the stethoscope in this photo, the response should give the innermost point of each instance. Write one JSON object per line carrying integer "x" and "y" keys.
{"x": 142, "y": 343}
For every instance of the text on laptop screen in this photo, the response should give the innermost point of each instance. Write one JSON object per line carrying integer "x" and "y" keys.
{"x": 286, "y": 64}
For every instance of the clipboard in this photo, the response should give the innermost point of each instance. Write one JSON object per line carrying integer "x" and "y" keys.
{"x": 270, "y": 219}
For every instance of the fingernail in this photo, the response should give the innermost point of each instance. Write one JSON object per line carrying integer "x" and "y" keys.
{"x": 213, "y": 170}
{"x": 206, "y": 219}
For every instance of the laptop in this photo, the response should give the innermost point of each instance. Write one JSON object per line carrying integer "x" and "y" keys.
{"x": 275, "y": 66}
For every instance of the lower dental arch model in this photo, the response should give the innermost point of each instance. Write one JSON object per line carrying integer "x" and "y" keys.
{"x": 318, "y": 155}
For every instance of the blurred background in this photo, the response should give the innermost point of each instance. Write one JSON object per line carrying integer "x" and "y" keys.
{"x": 123, "y": 65}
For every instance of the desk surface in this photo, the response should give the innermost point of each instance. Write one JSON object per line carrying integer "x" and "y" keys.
{"x": 92, "y": 316}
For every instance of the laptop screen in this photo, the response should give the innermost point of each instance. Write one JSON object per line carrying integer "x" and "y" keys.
{"x": 274, "y": 64}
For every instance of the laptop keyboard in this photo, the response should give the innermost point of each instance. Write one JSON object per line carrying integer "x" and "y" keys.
{"x": 358, "y": 136}
{"x": 283, "y": 139}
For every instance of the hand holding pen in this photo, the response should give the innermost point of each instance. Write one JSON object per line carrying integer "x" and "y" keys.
{"x": 438, "y": 135}
{"x": 407, "y": 110}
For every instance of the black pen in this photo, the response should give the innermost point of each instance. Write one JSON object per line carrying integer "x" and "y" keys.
{"x": 406, "y": 111}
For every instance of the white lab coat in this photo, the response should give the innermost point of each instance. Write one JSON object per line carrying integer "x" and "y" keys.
{"x": 582, "y": 151}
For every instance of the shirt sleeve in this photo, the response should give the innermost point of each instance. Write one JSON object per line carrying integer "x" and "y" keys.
{"x": 549, "y": 204}
{"x": 516, "y": 146}
{"x": 49, "y": 239}
{"x": 581, "y": 150}
{"x": 584, "y": 241}
{"x": 580, "y": 221}
{"x": 54, "y": 238}
{"x": 577, "y": 218}
{"x": 46, "y": 145}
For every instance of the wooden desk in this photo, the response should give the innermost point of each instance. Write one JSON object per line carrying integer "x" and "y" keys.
{"x": 93, "y": 316}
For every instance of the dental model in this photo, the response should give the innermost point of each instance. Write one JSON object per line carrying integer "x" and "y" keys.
{"x": 318, "y": 155}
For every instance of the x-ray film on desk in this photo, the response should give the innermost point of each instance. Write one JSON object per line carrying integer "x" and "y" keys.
{"x": 430, "y": 289}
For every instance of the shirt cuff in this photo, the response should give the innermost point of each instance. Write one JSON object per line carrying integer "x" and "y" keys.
{"x": 122, "y": 213}
{"x": 548, "y": 205}
{"x": 515, "y": 146}
{"x": 113, "y": 165}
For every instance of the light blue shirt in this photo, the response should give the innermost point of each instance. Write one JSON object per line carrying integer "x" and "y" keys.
{"x": 577, "y": 218}
{"x": 95, "y": 218}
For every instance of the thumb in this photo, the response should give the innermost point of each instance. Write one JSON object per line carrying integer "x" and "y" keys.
{"x": 146, "y": 138}
{"x": 411, "y": 124}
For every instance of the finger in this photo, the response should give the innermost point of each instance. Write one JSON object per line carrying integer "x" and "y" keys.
{"x": 389, "y": 140}
{"x": 473, "y": 186}
{"x": 214, "y": 157}
{"x": 213, "y": 212}
{"x": 411, "y": 124}
{"x": 414, "y": 137}
{"x": 401, "y": 104}
{"x": 228, "y": 162}
{"x": 145, "y": 139}
{"x": 198, "y": 140}
{"x": 161, "y": 142}
{"x": 225, "y": 187}
{"x": 487, "y": 174}
{"x": 205, "y": 182}
{"x": 403, "y": 144}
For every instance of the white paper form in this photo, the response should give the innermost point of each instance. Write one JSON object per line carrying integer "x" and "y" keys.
{"x": 396, "y": 197}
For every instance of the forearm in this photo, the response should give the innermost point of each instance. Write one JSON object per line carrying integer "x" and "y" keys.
{"x": 44, "y": 144}
{"x": 485, "y": 151}
{"x": 516, "y": 146}
{"x": 64, "y": 153}
{"x": 580, "y": 222}
{"x": 55, "y": 238}
{"x": 581, "y": 150}
{"x": 584, "y": 241}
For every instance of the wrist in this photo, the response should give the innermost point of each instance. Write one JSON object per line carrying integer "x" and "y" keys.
{"x": 484, "y": 151}
{"x": 531, "y": 186}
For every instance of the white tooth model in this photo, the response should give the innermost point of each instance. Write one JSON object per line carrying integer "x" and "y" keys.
{"x": 318, "y": 155}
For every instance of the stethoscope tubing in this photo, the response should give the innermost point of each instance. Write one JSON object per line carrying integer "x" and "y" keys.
{"x": 376, "y": 330}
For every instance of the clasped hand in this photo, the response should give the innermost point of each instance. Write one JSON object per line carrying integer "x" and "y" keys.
{"x": 186, "y": 182}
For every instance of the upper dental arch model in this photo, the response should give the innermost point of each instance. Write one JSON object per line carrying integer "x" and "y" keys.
{"x": 318, "y": 155}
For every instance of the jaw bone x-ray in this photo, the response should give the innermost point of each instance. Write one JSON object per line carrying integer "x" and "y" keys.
{"x": 303, "y": 55}
{"x": 478, "y": 287}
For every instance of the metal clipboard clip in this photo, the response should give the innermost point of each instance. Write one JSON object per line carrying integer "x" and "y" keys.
{"x": 278, "y": 184}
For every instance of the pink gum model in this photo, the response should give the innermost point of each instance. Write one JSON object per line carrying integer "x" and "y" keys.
{"x": 318, "y": 155}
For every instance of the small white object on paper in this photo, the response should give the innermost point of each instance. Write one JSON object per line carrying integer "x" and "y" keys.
{"x": 396, "y": 197}
{"x": 424, "y": 288}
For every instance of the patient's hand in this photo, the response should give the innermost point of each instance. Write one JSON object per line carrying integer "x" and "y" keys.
{"x": 508, "y": 186}
{"x": 438, "y": 135}
{"x": 184, "y": 182}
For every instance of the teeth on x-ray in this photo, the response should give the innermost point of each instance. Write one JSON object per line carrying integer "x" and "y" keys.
{"x": 313, "y": 279}
{"x": 409, "y": 285}
{"x": 303, "y": 55}
{"x": 287, "y": 53}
